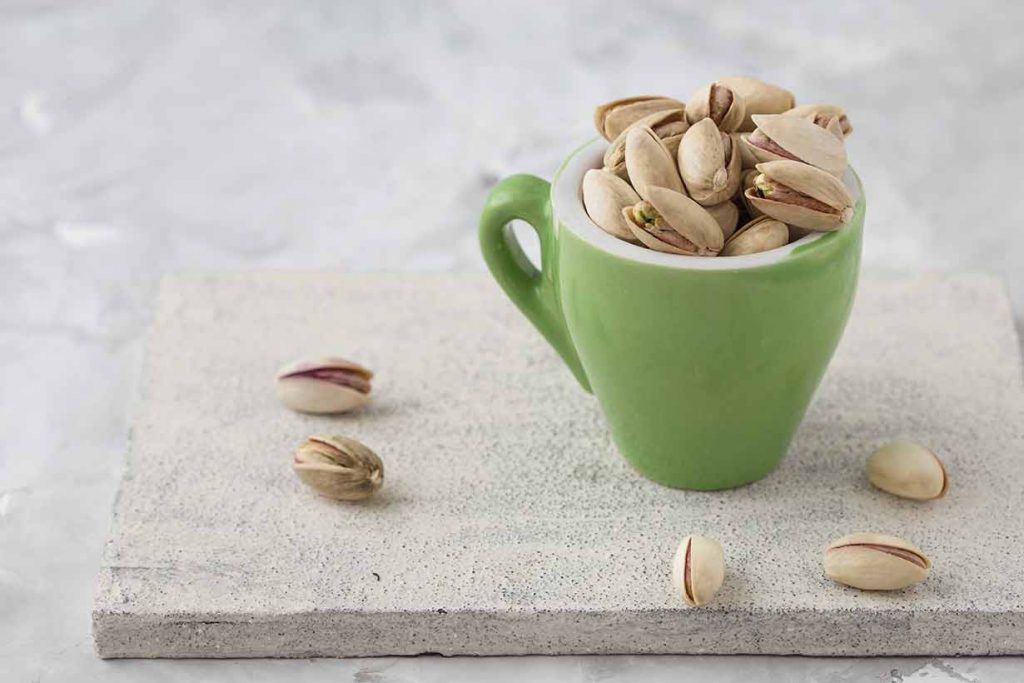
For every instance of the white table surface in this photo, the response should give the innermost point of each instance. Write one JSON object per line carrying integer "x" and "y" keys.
{"x": 143, "y": 137}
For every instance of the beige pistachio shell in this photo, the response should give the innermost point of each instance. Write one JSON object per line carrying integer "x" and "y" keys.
{"x": 727, "y": 215}
{"x": 698, "y": 569}
{"x": 338, "y": 467}
{"x": 668, "y": 124}
{"x": 747, "y": 183}
{"x": 760, "y": 234}
{"x": 791, "y": 137}
{"x": 875, "y": 562}
{"x": 612, "y": 118}
{"x": 649, "y": 163}
{"x": 719, "y": 103}
{"x": 829, "y": 122}
{"x": 801, "y": 195}
{"x": 908, "y": 470}
{"x": 605, "y": 195}
{"x": 672, "y": 222}
{"x": 758, "y": 98}
{"x": 805, "y": 110}
{"x": 323, "y": 385}
{"x": 747, "y": 158}
{"x": 709, "y": 165}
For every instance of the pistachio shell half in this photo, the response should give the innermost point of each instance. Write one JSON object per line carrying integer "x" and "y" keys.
{"x": 605, "y": 195}
{"x": 613, "y": 117}
{"x": 719, "y": 103}
{"x": 805, "y": 110}
{"x": 875, "y": 562}
{"x": 760, "y": 234}
{"x": 790, "y": 137}
{"x": 801, "y": 195}
{"x": 698, "y": 569}
{"x": 709, "y": 164}
{"x": 758, "y": 98}
{"x": 649, "y": 163}
{"x": 672, "y": 222}
{"x": 668, "y": 124}
{"x": 908, "y": 470}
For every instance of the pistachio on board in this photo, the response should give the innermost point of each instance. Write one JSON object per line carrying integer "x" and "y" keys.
{"x": 875, "y": 562}
{"x": 323, "y": 385}
{"x": 908, "y": 470}
{"x": 338, "y": 467}
{"x": 698, "y": 569}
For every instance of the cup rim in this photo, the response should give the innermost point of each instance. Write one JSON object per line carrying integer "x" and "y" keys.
{"x": 567, "y": 205}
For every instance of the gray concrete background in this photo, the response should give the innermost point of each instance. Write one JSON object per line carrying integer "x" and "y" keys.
{"x": 142, "y": 137}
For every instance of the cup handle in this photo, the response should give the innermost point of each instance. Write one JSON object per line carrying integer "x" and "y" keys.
{"x": 527, "y": 198}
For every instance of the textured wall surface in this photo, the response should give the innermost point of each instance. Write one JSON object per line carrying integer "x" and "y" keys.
{"x": 142, "y": 137}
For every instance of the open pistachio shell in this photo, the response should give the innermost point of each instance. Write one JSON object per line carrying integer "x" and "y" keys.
{"x": 805, "y": 110}
{"x": 605, "y": 195}
{"x": 668, "y": 124}
{"x": 612, "y": 118}
{"x": 672, "y": 222}
{"x": 649, "y": 163}
{"x": 875, "y": 562}
{"x": 747, "y": 158}
{"x": 758, "y": 98}
{"x": 709, "y": 164}
{"x": 719, "y": 103}
{"x": 789, "y": 137}
{"x": 727, "y": 214}
{"x": 801, "y": 195}
{"x": 760, "y": 234}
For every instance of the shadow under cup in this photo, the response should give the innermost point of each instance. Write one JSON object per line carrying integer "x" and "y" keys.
{"x": 703, "y": 366}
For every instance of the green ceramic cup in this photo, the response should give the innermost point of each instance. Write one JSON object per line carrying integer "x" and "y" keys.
{"x": 703, "y": 367}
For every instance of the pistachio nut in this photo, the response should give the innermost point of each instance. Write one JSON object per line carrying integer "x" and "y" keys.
{"x": 672, "y": 222}
{"x": 338, "y": 467}
{"x": 875, "y": 562}
{"x": 727, "y": 214}
{"x": 612, "y": 118}
{"x": 668, "y": 124}
{"x": 801, "y": 195}
{"x": 323, "y": 385}
{"x": 781, "y": 136}
{"x": 649, "y": 163}
{"x": 805, "y": 110}
{"x": 758, "y": 98}
{"x": 605, "y": 195}
{"x": 698, "y": 569}
{"x": 718, "y": 102}
{"x": 908, "y": 470}
{"x": 760, "y": 234}
{"x": 709, "y": 164}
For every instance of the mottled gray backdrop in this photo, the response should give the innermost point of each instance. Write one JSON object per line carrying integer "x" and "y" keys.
{"x": 142, "y": 137}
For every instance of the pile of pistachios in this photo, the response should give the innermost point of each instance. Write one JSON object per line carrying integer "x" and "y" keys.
{"x": 737, "y": 169}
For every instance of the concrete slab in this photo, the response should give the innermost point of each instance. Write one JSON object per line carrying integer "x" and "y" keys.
{"x": 507, "y": 523}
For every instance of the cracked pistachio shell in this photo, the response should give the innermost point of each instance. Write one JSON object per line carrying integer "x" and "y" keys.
{"x": 758, "y": 98}
{"x": 605, "y": 195}
{"x": 698, "y": 569}
{"x": 875, "y": 562}
{"x": 669, "y": 125}
{"x": 649, "y": 163}
{"x": 760, "y": 234}
{"x": 829, "y": 122}
{"x": 719, "y": 103}
{"x": 671, "y": 222}
{"x": 709, "y": 164}
{"x": 612, "y": 118}
{"x": 747, "y": 158}
{"x": 338, "y": 467}
{"x": 806, "y": 110}
{"x": 801, "y": 195}
{"x": 323, "y": 385}
{"x": 747, "y": 183}
{"x": 727, "y": 214}
{"x": 908, "y": 470}
{"x": 791, "y": 137}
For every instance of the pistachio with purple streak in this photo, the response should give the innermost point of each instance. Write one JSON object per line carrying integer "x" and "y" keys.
{"x": 325, "y": 385}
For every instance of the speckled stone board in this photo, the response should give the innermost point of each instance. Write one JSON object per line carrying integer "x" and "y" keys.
{"x": 508, "y": 523}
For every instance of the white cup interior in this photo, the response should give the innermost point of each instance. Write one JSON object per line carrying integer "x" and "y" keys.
{"x": 567, "y": 199}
